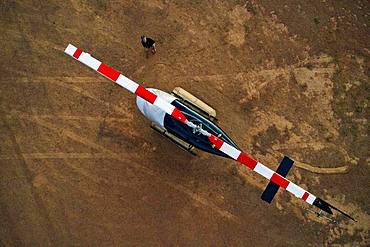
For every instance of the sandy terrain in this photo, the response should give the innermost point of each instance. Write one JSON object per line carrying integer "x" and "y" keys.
{"x": 81, "y": 167}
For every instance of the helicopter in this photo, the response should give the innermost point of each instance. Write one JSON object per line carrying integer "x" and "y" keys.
{"x": 191, "y": 123}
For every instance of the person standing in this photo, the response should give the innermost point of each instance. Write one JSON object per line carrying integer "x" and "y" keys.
{"x": 148, "y": 43}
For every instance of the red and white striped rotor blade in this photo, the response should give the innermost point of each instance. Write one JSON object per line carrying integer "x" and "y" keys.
{"x": 224, "y": 147}
{"x": 124, "y": 82}
{"x": 261, "y": 169}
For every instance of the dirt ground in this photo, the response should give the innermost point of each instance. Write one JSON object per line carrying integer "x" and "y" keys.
{"x": 79, "y": 165}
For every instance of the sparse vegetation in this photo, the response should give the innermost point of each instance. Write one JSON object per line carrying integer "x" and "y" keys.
{"x": 316, "y": 19}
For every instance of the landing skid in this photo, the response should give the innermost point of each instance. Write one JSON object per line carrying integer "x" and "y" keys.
{"x": 180, "y": 143}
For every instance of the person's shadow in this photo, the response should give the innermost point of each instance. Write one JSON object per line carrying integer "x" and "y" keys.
{"x": 149, "y": 52}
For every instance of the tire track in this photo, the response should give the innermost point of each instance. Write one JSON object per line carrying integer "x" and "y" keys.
{"x": 60, "y": 81}
{"x": 25, "y": 174}
{"x": 55, "y": 156}
{"x": 124, "y": 158}
{"x": 72, "y": 117}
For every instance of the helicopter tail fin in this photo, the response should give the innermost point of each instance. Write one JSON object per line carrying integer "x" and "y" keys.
{"x": 325, "y": 206}
{"x": 272, "y": 188}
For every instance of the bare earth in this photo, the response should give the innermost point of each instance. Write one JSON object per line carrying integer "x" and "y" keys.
{"x": 80, "y": 166}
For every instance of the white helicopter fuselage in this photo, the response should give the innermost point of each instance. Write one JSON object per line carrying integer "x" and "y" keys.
{"x": 176, "y": 128}
{"x": 151, "y": 111}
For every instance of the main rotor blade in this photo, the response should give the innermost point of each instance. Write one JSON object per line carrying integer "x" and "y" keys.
{"x": 124, "y": 82}
{"x": 224, "y": 147}
{"x": 261, "y": 169}
{"x": 218, "y": 143}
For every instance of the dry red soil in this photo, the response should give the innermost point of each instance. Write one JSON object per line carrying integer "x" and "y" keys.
{"x": 80, "y": 166}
